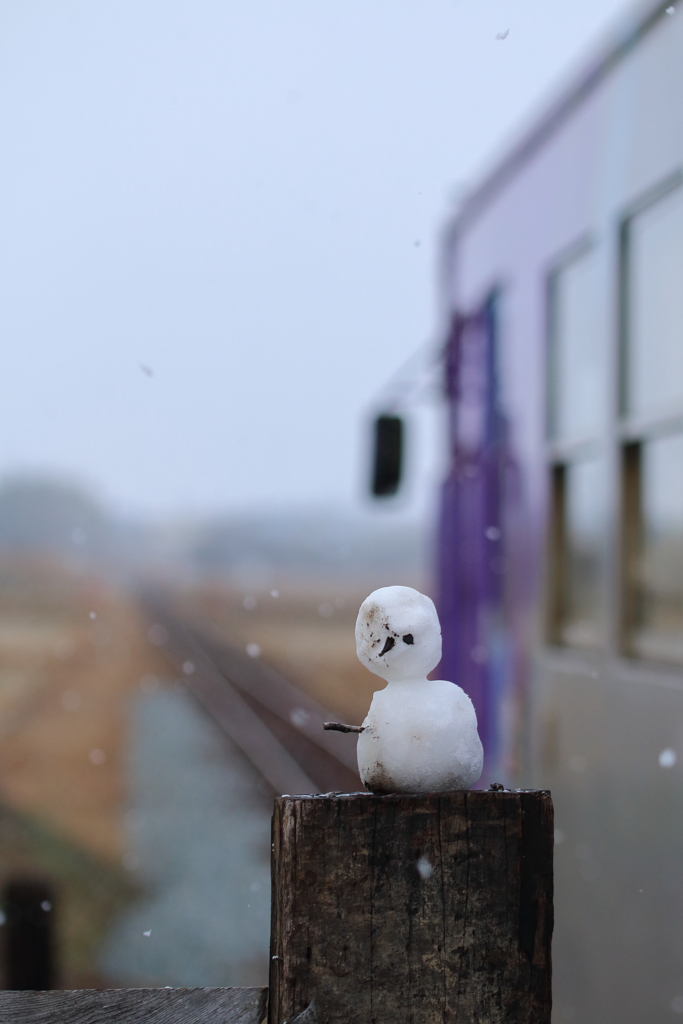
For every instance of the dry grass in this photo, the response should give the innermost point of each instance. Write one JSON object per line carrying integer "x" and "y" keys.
{"x": 65, "y": 679}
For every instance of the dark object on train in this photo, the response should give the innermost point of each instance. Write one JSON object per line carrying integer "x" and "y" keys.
{"x": 388, "y": 456}
{"x": 29, "y": 958}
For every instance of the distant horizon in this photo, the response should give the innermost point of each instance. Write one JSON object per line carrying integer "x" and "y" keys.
{"x": 368, "y": 510}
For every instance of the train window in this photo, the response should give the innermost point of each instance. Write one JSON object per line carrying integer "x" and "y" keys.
{"x": 577, "y": 391}
{"x": 652, "y": 404}
{"x": 577, "y": 607}
{"x": 653, "y": 271}
{"x": 578, "y": 347}
{"x": 654, "y": 502}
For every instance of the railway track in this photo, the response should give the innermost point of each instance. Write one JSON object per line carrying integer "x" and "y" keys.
{"x": 277, "y": 726}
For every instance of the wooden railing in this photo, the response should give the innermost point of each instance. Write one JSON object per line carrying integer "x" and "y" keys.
{"x": 135, "y": 1006}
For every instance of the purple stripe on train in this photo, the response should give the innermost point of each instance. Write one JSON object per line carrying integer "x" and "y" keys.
{"x": 480, "y": 511}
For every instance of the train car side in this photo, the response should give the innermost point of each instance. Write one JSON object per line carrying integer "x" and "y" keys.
{"x": 561, "y": 543}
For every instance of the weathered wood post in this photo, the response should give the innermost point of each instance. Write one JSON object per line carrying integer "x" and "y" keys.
{"x": 420, "y": 909}
{"x": 29, "y": 939}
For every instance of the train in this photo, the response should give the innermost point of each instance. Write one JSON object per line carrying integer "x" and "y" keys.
{"x": 559, "y": 568}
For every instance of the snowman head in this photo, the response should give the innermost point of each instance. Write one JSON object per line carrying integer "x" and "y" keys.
{"x": 398, "y": 634}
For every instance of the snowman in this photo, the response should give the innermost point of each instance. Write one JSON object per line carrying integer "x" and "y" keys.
{"x": 420, "y": 735}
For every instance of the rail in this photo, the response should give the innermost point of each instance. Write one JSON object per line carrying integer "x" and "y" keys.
{"x": 277, "y": 726}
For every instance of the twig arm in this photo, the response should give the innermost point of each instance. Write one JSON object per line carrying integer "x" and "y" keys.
{"x": 340, "y": 727}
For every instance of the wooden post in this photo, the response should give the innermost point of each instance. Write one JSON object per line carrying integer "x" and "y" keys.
{"x": 415, "y": 909}
{"x": 29, "y": 941}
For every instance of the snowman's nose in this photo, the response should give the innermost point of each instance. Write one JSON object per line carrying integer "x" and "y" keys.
{"x": 388, "y": 644}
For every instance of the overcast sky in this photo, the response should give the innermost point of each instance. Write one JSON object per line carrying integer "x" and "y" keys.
{"x": 218, "y": 225}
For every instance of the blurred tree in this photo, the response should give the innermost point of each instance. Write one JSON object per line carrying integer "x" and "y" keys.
{"x": 52, "y": 515}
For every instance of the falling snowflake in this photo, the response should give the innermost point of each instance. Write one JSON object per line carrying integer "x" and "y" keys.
{"x": 425, "y": 868}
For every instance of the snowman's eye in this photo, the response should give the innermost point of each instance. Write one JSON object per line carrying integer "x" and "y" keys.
{"x": 408, "y": 639}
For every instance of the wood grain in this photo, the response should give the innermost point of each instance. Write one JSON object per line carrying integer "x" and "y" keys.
{"x": 135, "y": 1006}
{"x": 401, "y": 908}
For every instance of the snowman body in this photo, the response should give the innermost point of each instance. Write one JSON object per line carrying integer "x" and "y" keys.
{"x": 420, "y": 734}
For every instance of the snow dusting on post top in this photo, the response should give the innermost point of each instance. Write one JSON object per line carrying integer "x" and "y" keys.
{"x": 420, "y": 735}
